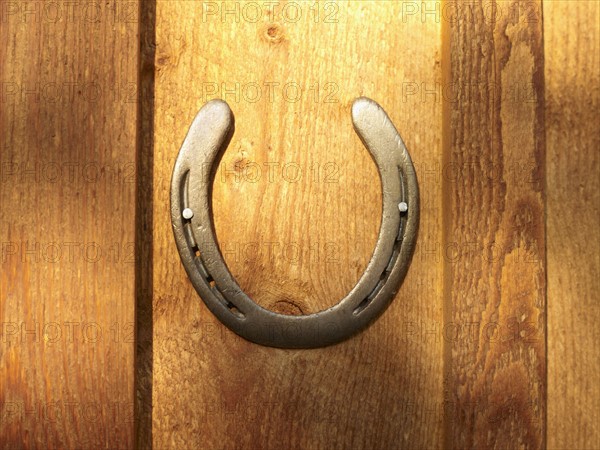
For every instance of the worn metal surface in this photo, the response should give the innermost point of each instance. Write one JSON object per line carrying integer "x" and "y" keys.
{"x": 191, "y": 215}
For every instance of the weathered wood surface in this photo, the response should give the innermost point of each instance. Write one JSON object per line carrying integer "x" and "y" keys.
{"x": 494, "y": 204}
{"x": 297, "y": 212}
{"x": 144, "y": 251}
{"x": 297, "y": 205}
{"x": 572, "y": 51}
{"x": 68, "y": 77}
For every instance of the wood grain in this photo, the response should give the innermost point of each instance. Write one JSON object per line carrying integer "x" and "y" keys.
{"x": 67, "y": 155}
{"x": 494, "y": 205}
{"x": 572, "y": 42}
{"x": 144, "y": 250}
{"x": 297, "y": 205}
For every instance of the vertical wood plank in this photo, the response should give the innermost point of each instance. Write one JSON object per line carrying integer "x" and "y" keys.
{"x": 494, "y": 204}
{"x": 68, "y": 75}
{"x": 297, "y": 238}
{"x": 144, "y": 224}
{"x": 572, "y": 49}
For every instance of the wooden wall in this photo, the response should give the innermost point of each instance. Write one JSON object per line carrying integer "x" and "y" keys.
{"x": 491, "y": 341}
{"x": 494, "y": 202}
{"x": 68, "y": 126}
{"x": 572, "y": 68}
{"x": 297, "y": 212}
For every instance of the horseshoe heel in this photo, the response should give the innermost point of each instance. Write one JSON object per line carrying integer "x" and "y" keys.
{"x": 191, "y": 214}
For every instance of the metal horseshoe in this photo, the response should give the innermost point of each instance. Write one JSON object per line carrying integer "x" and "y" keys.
{"x": 191, "y": 214}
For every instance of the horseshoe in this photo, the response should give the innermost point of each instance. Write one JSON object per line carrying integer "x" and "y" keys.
{"x": 191, "y": 215}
